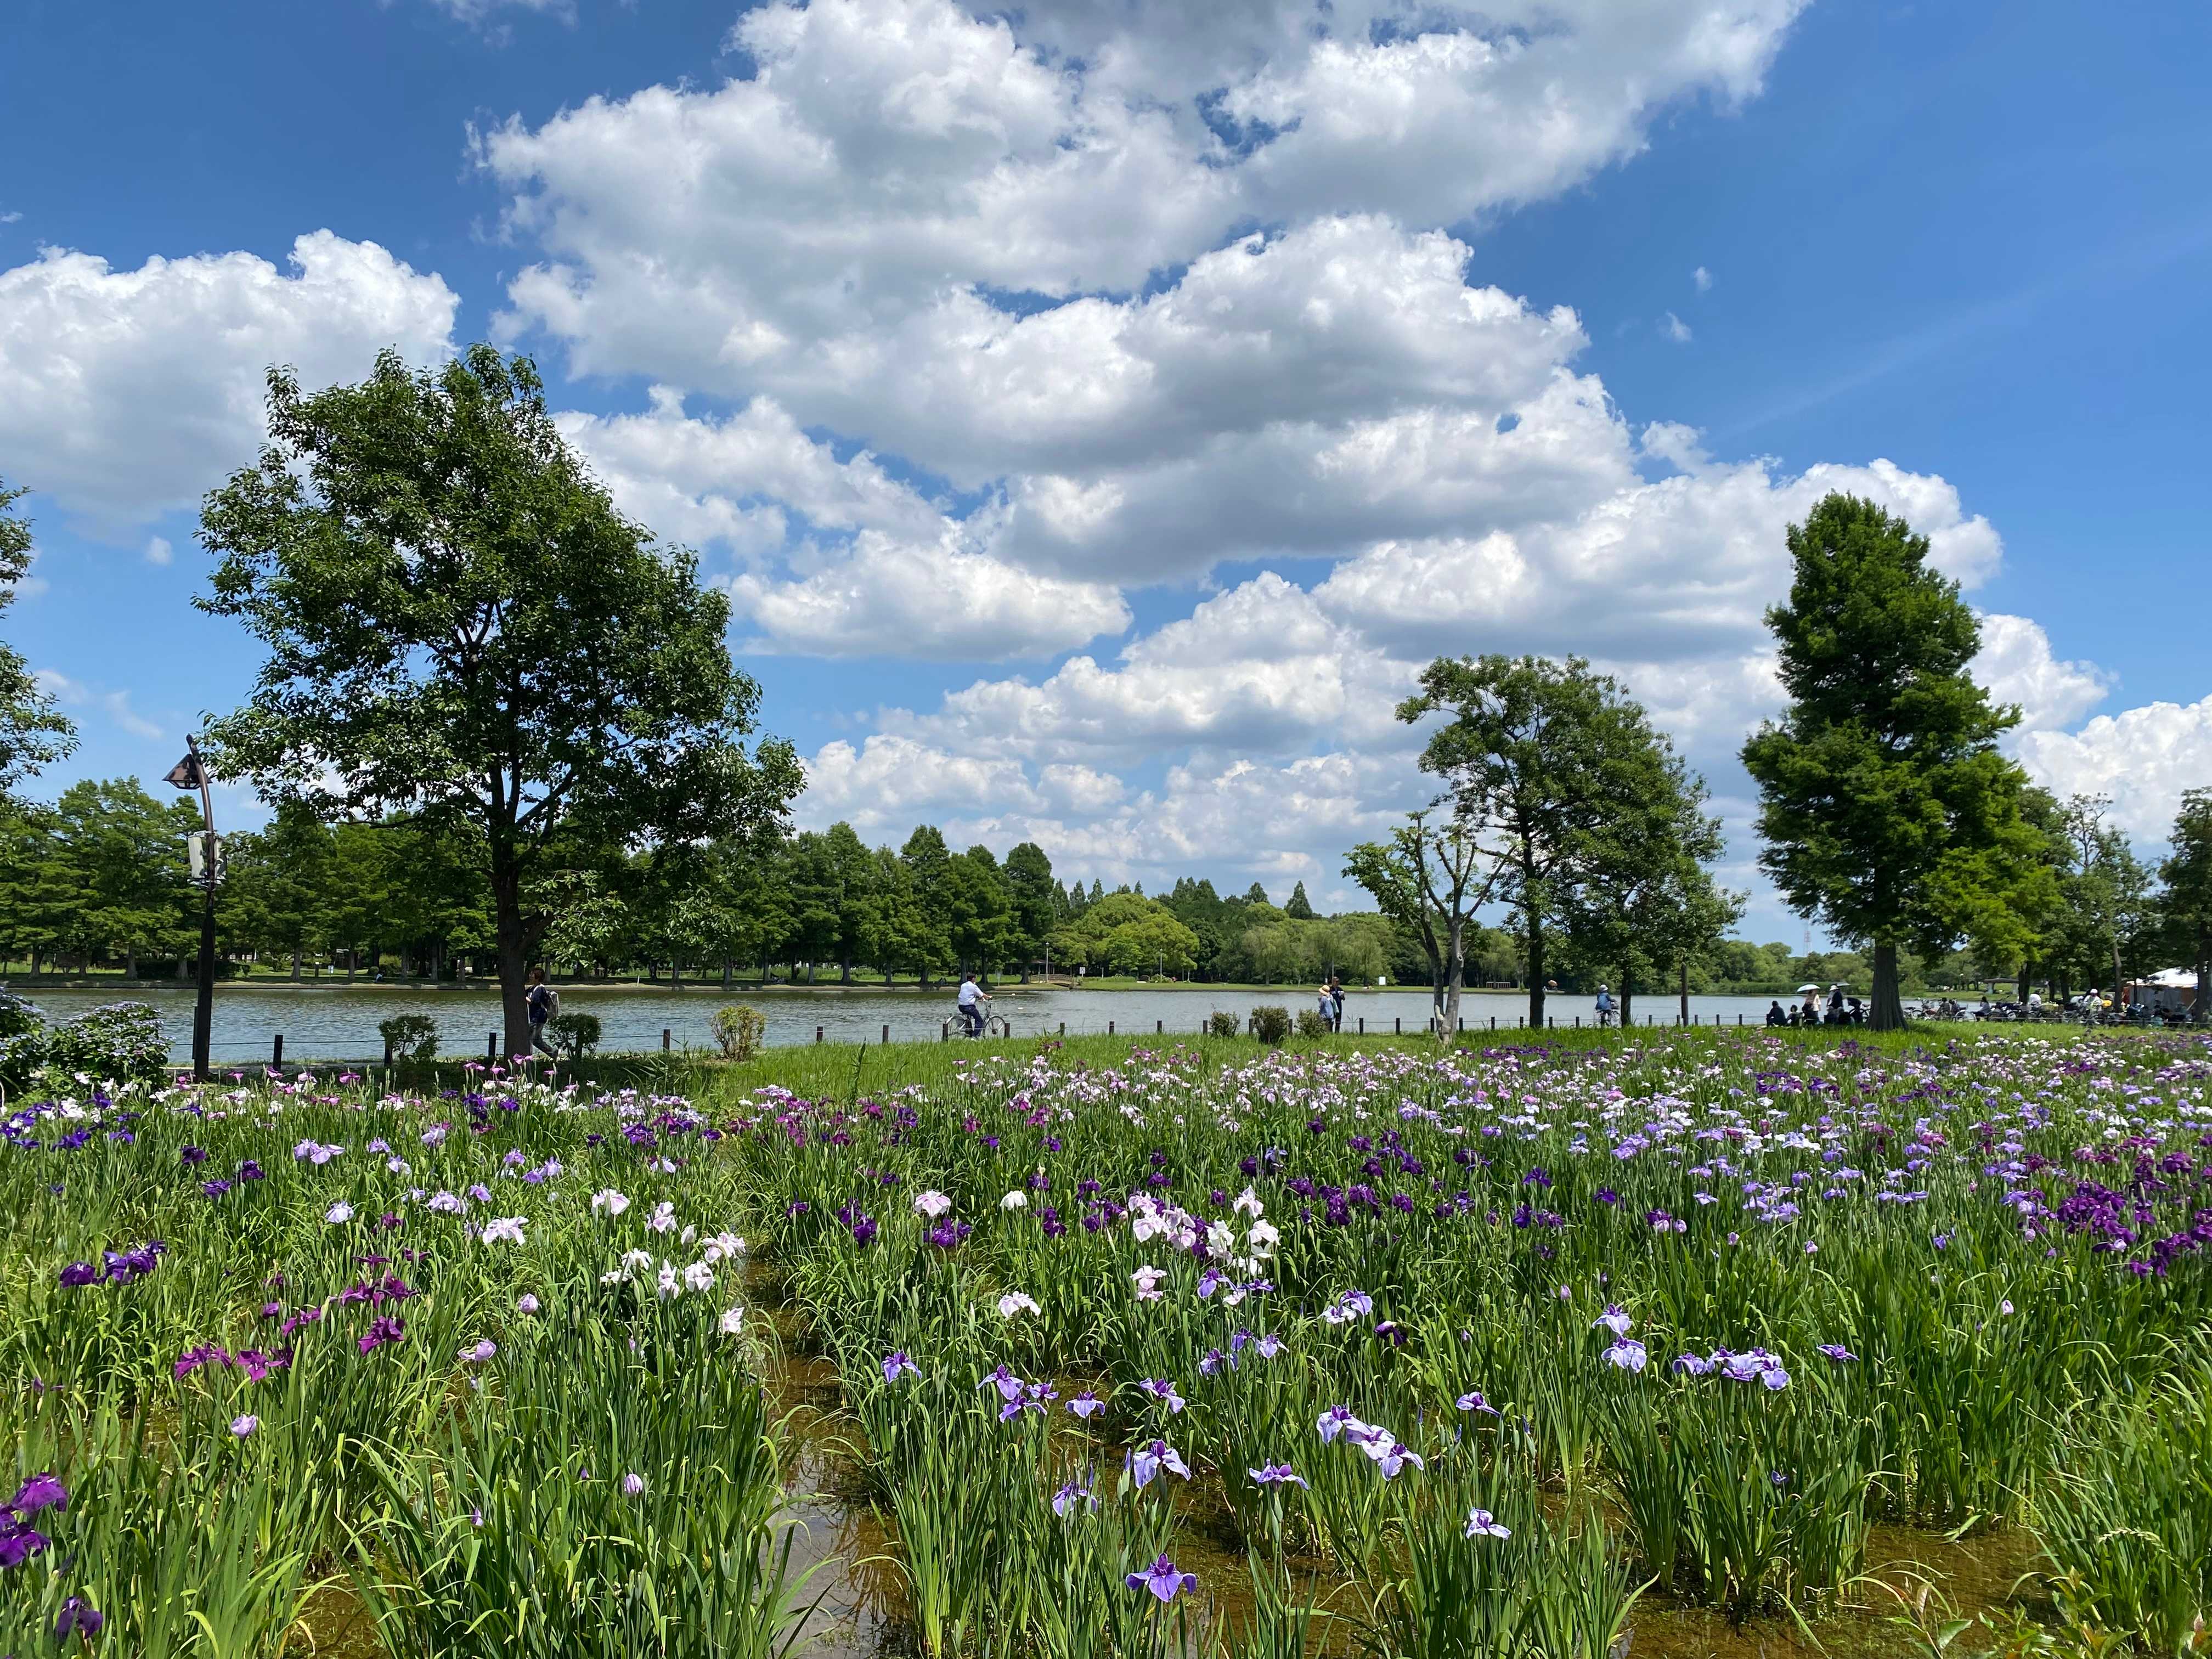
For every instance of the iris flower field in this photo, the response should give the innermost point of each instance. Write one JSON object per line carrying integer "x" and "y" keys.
{"x": 1665, "y": 1343}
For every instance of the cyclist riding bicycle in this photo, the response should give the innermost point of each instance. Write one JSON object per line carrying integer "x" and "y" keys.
{"x": 973, "y": 1001}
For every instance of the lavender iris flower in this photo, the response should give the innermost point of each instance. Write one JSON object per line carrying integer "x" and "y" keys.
{"x": 1074, "y": 1494}
{"x": 78, "y": 1619}
{"x": 1086, "y": 1405}
{"x": 900, "y": 1364}
{"x": 1276, "y": 1475}
{"x": 1147, "y": 1460}
{"x": 1837, "y": 1352}
{"x": 1472, "y": 1402}
{"x": 1481, "y": 1523}
{"x": 1628, "y": 1353}
{"x": 1161, "y": 1579}
{"x": 1339, "y": 1419}
{"x": 1614, "y": 1319}
{"x": 1164, "y": 1390}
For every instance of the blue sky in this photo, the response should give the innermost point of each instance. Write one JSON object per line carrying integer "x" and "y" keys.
{"x": 1053, "y": 510}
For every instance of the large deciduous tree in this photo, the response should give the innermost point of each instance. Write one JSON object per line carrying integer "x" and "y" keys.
{"x": 32, "y": 731}
{"x": 1431, "y": 878}
{"x": 459, "y": 624}
{"x": 2187, "y": 900}
{"x": 1885, "y": 808}
{"x": 1543, "y": 758}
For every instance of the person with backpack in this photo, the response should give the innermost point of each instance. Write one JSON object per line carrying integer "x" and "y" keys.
{"x": 544, "y": 1005}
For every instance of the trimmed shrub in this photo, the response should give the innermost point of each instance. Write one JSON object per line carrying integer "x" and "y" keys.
{"x": 118, "y": 1043}
{"x": 575, "y": 1034}
{"x": 410, "y": 1037}
{"x": 1271, "y": 1025}
{"x": 738, "y": 1031}
{"x": 1311, "y": 1024}
{"x": 1222, "y": 1023}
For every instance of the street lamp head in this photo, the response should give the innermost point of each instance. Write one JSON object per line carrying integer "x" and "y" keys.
{"x": 187, "y": 773}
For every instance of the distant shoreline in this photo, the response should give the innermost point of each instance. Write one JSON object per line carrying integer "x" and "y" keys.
{"x": 712, "y": 987}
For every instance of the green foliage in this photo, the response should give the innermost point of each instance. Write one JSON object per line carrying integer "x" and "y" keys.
{"x": 1885, "y": 806}
{"x": 1222, "y": 1023}
{"x": 1571, "y": 807}
{"x": 2128, "y": 1529}
{"x": 410, "y": 1037}
{"x": 738, "y": 1030}
{"x": 1311, "y": 1024}
{"x": 119, "y": 1043}
{"x": 1271, "y": 1024}
{"x": 575, "y": 1035}
{"x": 32, "y": 733}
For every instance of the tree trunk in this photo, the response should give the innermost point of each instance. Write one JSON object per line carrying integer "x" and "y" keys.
{"x": 1888, "y": 1014}
{"x": 1455, "y": 977}
{"x": 845, "y": 971}
{"x": 2024, "y": 966}
{"x": 514, "y": 951}
{"x": 131, "y": 961}
{"x": 296, "y": 966}
{"x": 1683, "y": 984}
{"x": 2119, "y": 1003}
{"x": 1627, "y": 998}
{"x": 1533, "y": 933}
{"x": 2200, "y": 1005}
{"x": 729, "y": 970}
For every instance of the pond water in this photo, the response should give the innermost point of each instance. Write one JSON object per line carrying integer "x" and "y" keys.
{"x": 338, "y": 1022}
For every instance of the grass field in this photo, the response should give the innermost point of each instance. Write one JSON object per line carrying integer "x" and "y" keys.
{"x": 1715, "y": 1342}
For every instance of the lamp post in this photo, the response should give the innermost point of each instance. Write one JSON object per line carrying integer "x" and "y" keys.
{"x": 190, "y": 773}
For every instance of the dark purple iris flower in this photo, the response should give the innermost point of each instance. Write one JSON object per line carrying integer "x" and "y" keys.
{"x": 80, "y": 1273}
{"x": 78, "y": 1619}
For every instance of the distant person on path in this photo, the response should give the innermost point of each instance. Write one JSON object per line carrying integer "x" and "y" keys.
{"x": 1774, "y": 1014}
{"x": 972, "y": 999}
{"x": 1604, "y": 1006}
{"x": 1325, "y": 1005}
{"x": 1336, "y": 1000}
{"x": 544, "y": 1004}
{"x": 1835, "y": 1005}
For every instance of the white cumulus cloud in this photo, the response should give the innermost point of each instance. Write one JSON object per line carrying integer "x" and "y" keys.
{"x": 124, "y": 394}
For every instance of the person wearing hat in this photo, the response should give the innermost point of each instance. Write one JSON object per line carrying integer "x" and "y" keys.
{"x": 1604, "y": 1006}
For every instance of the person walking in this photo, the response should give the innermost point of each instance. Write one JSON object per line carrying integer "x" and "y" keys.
{"x": 1604, "y": 1006}
{"x": 543, "y": 1003}
{"x": 1336, "y": 1002}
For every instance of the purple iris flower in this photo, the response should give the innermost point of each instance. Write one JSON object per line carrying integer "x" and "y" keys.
{"x": 1086, "y": 1405}
{"x": 1008, "y": 1385}
{"x": 1472, "y": 1402}
{"x": 1147, "y": 1460}
{"x": 1628, "y": 1353}
{"x": 899, "y": 1364}
{"x": 1164, "y": 1390}
{"x": 19, "y": 1543}
{"x": 1276, "y": 1475}
{"x": 39, "y": 1492}
{"x": 1691, "y": 1365}
{"x": 1389, "y": 1454}
{"x": 1270, "y": 1346}
{"x": 80, "y": 1273}
{"x": 1069, "y": 1496}
{"x": 1338, "y": 1419}
{"x": 1837, "y": 1352}
{"x": 1481, "y": 1523}
{"x": 78, "y": 1619}
{"x": 1161, "y": 1579}
{"x": 1614, "y": 1319}
{"x": 1214, "y": 1360}
{"x": 387, "y": 1328}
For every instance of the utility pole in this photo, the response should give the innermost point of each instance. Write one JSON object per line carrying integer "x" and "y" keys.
{"x": 190, "y": 773}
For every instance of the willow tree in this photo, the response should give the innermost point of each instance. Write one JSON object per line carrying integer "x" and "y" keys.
{"x": 460, "y": 625}
{"x": 1886, "y": 810}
